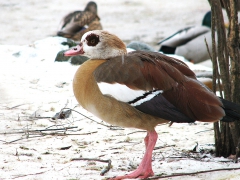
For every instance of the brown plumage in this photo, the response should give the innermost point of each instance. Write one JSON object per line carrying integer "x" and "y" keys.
{"x": 121, "y": 114}
{"x": 151, "y": 70}
{"x": 77, "y": 23}
{"x": 141, "y": 90}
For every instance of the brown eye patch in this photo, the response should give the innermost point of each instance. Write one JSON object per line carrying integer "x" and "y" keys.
{"x": 92, "y": 39}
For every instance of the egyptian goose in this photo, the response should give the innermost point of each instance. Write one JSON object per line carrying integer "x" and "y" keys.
{"x": 75, "y": 24}
{"x": 140, "y": 90}
{"x": 190, "y": 41}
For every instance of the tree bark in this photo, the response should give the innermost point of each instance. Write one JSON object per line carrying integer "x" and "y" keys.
{"x": 226, "y": 55}
{"x": 233, "y": 47}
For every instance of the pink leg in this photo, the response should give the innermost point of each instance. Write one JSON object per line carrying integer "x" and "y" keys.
{"x": 146, "y": 139}
{"x": 144, "y": 170}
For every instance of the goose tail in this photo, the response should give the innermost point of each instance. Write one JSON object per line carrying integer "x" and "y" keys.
{"x": 232, "y": 111}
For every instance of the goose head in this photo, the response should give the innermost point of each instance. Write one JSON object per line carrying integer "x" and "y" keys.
{"x": 98, "y": 44}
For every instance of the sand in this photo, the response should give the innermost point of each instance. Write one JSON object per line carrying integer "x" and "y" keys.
{"x": 33, "y": 89}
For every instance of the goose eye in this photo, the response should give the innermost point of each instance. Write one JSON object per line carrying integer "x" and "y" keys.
{"x": 92, "y": 39}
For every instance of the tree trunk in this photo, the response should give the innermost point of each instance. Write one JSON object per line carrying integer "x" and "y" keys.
{"x": 226, "y": 56}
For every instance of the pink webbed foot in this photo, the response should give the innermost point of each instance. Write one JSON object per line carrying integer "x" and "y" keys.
{"x": 138, "y": 173}
{"x": 145, "y": 168}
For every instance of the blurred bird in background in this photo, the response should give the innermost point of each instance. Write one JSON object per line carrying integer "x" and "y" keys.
{"x": 76, "y": 23}
{"x": 190, "y": 42}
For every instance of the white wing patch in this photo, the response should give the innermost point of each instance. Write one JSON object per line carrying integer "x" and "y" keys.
{"x": 148, "y": 97}
{"x": 119, "y": 91}
{"x": 125, "y": 94}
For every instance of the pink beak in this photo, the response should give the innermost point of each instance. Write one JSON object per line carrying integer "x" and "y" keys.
{"x": 77, "y": 50}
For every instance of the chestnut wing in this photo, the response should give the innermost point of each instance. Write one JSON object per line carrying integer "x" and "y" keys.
{"x": 170, "y": 83}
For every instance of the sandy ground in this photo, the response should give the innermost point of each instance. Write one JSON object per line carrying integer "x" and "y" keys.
{"x": 33, "y": 89}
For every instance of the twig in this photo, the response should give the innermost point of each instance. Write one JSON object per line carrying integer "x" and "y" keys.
{"x": 88, "y": 133}
{"x": 91, "y": 119}
{"x": 53, "y": 134}
{"x": 21, "y": 139}
{"x": 40, "y": 130}
{"x": 65, "y": 148}
{"x": 42, "y": 117}
{"x": 13, "y": 106}
{"x": 56, "y": 129}
{"x": 216, "y": 72}
{"x": 135, "y": 132}
{"x": 104, "y": 171}
{"x": 160, "y": 147}
{"x": 193, "y": 173}
{"x": 3, "y": 141}
{"x": 204, "y": 131}
{"x": 57, "y": 134}
{"x": 19, "y": 176}
{"x": 208, "y": 48}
